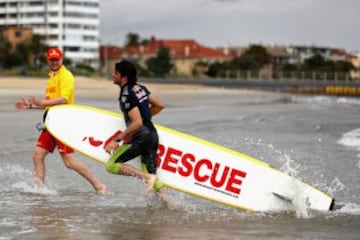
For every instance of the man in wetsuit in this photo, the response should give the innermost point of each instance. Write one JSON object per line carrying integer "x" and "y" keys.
{"x": 138, "y": 105}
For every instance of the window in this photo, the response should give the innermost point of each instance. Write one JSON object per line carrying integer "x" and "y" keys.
{"x": 73, "y": 26}
{"x": 73, "y": 3}
{"x": 18, "y": 34}
{"x": 80, "y": 15}
{"x": 90, "y": 27}
{"x": 72, "y": 37}
{"x": 89, "y": 4}
{"x": 72, "y": 49}
{"x": 36, "y": 3}
{"x": 53, "y": 2}
{"x": 89, "y": 38}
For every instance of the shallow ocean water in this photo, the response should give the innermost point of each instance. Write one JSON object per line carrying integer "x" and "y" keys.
{"x": 315, "y": 138}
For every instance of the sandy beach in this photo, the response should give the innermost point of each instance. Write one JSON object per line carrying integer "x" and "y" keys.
{"x": 101, "y": 88}
{"x": 90, "y": 87}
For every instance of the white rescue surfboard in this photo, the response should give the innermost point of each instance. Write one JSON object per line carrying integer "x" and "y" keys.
{"x": 191, "y": 164}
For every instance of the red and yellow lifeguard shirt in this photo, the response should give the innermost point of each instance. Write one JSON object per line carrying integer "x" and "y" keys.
{"x": 61, "y": 84}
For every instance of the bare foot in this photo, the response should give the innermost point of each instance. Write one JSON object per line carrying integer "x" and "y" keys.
{"x": 101, "y": 189}
{"x": 150, "y": 180}
{"x": 165, "y": 199}
{"x": 39, "y": 185}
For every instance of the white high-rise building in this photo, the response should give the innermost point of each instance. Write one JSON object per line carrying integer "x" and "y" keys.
{"x": 72, "y": 25}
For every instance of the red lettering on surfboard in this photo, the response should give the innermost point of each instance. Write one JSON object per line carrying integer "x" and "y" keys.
{"x": 112, "y": 137}
{"x": 92, "y": 141}
{"x": 96, "y": 143}
{"x": 203, "y": 170}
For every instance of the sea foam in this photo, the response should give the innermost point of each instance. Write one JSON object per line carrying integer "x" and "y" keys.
{"x": 351, "y": 139}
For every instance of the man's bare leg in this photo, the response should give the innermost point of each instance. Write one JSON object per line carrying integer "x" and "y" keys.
{"x": 150, "y": 179}
{"x": 39, "y": 155}
{"x": 82, "y": 169}
{"x": 164, "y": 197}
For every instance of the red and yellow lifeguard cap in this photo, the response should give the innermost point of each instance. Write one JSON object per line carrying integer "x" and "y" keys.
{"x": 54, "y": 53}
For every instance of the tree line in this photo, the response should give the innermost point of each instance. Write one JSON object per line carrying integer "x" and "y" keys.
{"x": 29, "y": 58}
{"x": 27, "y": 54}
{"x": 253, "y": 59}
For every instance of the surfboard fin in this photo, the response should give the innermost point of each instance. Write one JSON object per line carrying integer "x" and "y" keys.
{"x": 333, "y": 206}
{"x": 282, "y": 197}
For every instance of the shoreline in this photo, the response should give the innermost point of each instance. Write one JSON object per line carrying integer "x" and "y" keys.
{"x": 85, "y": 83}
{"x": 101, "y": 87}
{"x": 104, "y": 88}
{"x": 18, "y": 82}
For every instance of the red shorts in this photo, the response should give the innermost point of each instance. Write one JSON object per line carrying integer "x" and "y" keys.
{"x": 48, "y": 142}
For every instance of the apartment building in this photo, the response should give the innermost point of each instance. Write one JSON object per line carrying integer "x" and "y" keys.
{"x": 72, "y": 25}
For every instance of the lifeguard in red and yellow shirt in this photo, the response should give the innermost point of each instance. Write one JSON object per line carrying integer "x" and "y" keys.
{"x": 60, "y": 90}
{"x": 60, "y": 87}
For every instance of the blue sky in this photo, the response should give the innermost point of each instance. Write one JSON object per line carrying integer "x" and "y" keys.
{"x": 215, "y": 23}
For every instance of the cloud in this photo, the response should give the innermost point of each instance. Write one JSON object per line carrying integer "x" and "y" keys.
{"x": 235, "y": 22}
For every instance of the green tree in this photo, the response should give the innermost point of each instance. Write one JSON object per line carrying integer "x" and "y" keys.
{"x": 343, "y": 66}
{"x": 83, "y": 69}
{"x": 289, "y": 67}
{"x": 314, "y": 63}
{"x": 22, "y": 56}
{"x": 5, "y": 50}
{"x": 199, "y": 68}
{"x": 217, "y": 69}
{"x": 132, "y": 40}
{"x": 25, "y": 55}
{"x": 245, "y": 63}
{"x": 252, "y": 59}
{"x": 12, "y": 58}
{"x": 38, "y": 48}
{"x": 259, "y": 54}
{"x": 160, "y": 65}
{"x": 318, "y": 63}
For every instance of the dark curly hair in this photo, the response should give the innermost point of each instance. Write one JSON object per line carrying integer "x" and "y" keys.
{"x": 127, "y": 69}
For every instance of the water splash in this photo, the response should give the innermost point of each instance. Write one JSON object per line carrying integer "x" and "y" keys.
{"x": 347, "y": 100}
{"x": 336, "y": 186}
{"x": 351, "y": 139}
{"x": 27, "y": 187}
{"x": 283, "y": 161}
{"x": 18, "y": 178}
{"x": 287, "y": 164}
{"x": 10, "y": 174}
{"x": 326, "y": 100}
{"x": 349, "y": 209}
{"x": 302, "y": 209}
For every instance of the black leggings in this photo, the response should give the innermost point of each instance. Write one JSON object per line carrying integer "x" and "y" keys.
{"x": 144, "y": 145}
